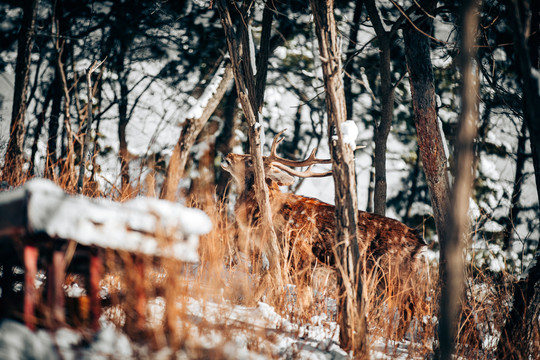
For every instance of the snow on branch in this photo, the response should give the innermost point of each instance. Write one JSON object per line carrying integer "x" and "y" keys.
{"x": 198, "y": 106}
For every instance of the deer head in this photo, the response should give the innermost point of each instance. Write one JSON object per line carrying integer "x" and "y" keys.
{"x": 276, "y": 169}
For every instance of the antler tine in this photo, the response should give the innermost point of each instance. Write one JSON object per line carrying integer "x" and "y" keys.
{"x": 277, "y": 140}
{"x": 311, "y": 159}
{"x": 274, "y": 158}
{"x": 303, "y": 174}
{"x": 314, "y": 160}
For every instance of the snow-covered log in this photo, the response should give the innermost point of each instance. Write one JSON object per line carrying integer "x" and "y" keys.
{"x": 143, "y": 225}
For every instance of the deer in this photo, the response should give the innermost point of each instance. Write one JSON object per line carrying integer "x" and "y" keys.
{"x": 311, "y": 224}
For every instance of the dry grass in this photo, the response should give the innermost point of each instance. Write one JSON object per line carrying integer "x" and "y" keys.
{"x": 194, "y": 309}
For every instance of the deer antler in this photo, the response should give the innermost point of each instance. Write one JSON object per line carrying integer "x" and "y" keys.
{"x": 311, "y": 160}
{"x": 284, "y": 164}
{"x": 303, "y": 174}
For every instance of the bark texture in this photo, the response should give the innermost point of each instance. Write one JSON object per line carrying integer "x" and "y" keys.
{"x": 244, "y": 80}
{"x": 14, "y": 159}
{"x": 191, "y": 129}
{"x": 430, "y": 139}
{"x": 382, "y": 128}
{"x": 352, "y": 321}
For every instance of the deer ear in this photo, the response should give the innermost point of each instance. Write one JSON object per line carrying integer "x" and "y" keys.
{"x": 281, "y": 178}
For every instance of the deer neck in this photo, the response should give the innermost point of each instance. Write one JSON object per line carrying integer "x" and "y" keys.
{"x": 247, "y": 206}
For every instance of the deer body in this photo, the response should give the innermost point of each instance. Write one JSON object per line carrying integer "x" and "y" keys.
{"x": 314, "y": 222}
{"x": 307, "y": 227}
{"x": 385, "y": 241}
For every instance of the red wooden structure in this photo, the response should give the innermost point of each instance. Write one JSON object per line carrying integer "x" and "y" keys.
{"x": 39, "y": 223}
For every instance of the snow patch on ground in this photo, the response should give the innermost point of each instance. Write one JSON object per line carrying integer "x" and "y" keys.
{"x": 234, "y": 329}
{"x": 19, "y": 342}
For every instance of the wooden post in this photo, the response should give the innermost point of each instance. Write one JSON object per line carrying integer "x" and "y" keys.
{"x": 96, "y": 273}
{"x": 55, "y": 294}
{"x": 140, "y": 305}
{"x": 30, "y": 292}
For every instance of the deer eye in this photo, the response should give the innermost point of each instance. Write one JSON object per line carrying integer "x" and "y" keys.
{"x": 249, "y": 162}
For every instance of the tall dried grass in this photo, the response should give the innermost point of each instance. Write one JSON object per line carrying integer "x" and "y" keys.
{"x": 187, "y": 303}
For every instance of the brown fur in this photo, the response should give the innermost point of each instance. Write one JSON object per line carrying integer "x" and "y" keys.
{"x": 377, "y": 234}
{"x": 389, "y": 246}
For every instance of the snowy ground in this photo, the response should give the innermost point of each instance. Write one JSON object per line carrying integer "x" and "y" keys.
{"x": 239, "y": 332}
{"x": 283, "y": 338}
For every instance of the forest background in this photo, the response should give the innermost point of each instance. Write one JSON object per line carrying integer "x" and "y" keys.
{"x": 153, "y": 68}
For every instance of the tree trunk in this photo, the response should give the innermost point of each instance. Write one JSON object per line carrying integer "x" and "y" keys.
{"x": 14, "y": 158}
{"x": 265, "y": 50}
{"x": 382, "y": 129}
{"x": 123, "y": 121}
{"x": 39, "y": 128}
{"x": 86, "y": 153}
{"x": 193, "y": 125}
{"x": 352, "y": 321}
{"x": 54, "y": 119}
{"x": 519, "y": 328}
{"x": 239, "y": 53}
{"x": 531, "y": 96}
{"x": 225, "y": 140}
{"x": 68, "y": 152}
{"x": 349, "y": 68}
{"x": 451, "y": 271}
{"x": 430, "y": 140}
{"x": 371, "y": 186}
{"x": 57, "y": 91}
{"x": 516, "y": 190}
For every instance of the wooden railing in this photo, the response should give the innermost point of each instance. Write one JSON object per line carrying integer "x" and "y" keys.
{"x": 42, "y": 229}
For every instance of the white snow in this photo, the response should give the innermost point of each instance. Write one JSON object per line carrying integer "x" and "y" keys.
{"x": 241, "y": 332}
{"x": 474, "y": 210}
{"x": 281, "y": 52}
{"x": 497, "y": 264}
{"x": 19, "y": 342}
{"x": 443, "y": 137}
{"x": 198, "y": 106}
{"x": 349, "y": 131}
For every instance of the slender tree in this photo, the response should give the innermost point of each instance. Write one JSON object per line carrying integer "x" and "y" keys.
{"x": 451, "y": 271}
{"x": 349, "y": 64}
{"x": 521, "y": 156}
{"x": 430, "y": 139}
{"x": 382, "y": 127}
{"x": 239, "y": 52}
{"x": 86, "y": 152}
{"x": 62, "y": 45}
{"x": 14, "y": 159}
{"x": 519, "y": 337}
{"x": 431, "y": 148}
{"x": 38, "y": 129}
{"x": 192, "y": 127}
{"x": 353, "y": 328}
{"x": 521, "y": 17}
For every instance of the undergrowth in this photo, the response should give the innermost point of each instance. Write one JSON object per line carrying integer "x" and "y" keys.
{"x": 201, "y": 309}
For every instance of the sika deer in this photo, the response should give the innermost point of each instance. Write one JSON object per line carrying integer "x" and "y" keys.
{"x": 388, "y": 245}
